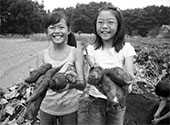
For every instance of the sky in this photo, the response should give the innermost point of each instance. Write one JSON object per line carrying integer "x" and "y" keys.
{"x": 122, "y": 4}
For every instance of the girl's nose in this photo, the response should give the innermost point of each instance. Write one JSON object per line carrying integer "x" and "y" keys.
{"x": 104, "y": 26}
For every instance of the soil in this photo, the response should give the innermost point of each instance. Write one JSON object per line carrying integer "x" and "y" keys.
{"x": 17, "y": 57}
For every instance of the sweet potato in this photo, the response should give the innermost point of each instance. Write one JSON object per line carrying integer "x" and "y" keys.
{"x": 35, "y": 74}
{"x": 95, "y": 75}
{"x": 115, "y": 93}
{"x": 118, "y": 75}
{"x": 58, "y": 82}
{"x": 73, "y": 80}
{"x": 106, "y": 81}
{"x": 61, "y": 80}
{"x": 34, "y": 102}
{"x": 39, "y": 91}
{"x": 50, "y": 80}
{"x": 80, "y": 85}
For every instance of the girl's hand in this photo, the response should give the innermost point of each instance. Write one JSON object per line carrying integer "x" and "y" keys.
{"x": 155, "y": 121}
{"x": 82, "y": 40}
{"x": 71, "y": 76}
{"x": 156, "y": 115}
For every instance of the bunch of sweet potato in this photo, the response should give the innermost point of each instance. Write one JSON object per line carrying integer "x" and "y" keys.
{"x": 46, "y": 77}
{"x": 112, "y": 82}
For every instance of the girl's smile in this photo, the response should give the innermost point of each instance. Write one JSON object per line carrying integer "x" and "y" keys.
{"x": 57, "y": 36}
{"x": 105, "y": 34}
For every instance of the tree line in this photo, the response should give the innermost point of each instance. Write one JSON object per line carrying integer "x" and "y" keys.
{"x": 26, "y": 17}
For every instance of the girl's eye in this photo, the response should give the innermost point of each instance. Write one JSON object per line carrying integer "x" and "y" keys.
{"x": 61, "y": 27}
{"x": 99, "y": 22}
{"x": 52, "y": 27}
{"x": 111, "y": 22}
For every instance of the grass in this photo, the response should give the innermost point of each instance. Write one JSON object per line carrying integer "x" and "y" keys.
{"x": 38, "y": 37}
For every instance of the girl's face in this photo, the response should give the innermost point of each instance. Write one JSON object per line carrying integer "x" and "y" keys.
{"x": 58, "y": 32}
{"x": 106, "y": 25}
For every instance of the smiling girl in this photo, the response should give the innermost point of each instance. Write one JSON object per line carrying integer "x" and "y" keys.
{"x": 59, "y": 108}
{"x": 110, "y": 50}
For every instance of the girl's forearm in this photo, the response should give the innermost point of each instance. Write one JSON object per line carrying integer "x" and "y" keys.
{"x": 161, "y": 106}
{"x": 167, "y": 115}
{"x": 80, "y": 67}
{"x": 79, "y": 64}
{"x": 129, "y": 66}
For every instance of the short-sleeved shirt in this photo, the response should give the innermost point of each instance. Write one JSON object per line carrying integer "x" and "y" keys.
{"x": 50, "y": 103}
{"x": 108, "y": 58}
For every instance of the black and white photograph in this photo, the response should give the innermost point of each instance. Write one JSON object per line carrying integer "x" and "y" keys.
{"x": 84, "y": 62}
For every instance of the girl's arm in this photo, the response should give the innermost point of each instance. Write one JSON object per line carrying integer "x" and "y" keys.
{"x": 162, "y": 104}
{"x": 155, "y": 121}
{"x": 129, "y": 53}
{"x": 129, "y": 66}
{"x": 79, "y": 64}
{"x": 167, "y": 115}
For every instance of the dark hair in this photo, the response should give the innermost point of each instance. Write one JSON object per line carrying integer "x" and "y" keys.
{"x": 55, "y": 17}
{"x": 162, "y": 89}
{"x": 118, "y": 41}
{"x": 72, "y": 40}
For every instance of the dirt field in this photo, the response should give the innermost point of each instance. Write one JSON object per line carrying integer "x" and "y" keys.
{"x": 17, "y": 57}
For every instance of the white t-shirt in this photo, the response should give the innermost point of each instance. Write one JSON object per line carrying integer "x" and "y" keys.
{"x": 108, "y": 59}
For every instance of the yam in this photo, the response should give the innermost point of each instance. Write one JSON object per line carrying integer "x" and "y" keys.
{"x": 107, "y": 82}
{"x": 35, "y": 74}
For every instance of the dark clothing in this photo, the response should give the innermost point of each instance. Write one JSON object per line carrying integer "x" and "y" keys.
{"x": 47, "y": 119}
{"x": 97, "y": 111}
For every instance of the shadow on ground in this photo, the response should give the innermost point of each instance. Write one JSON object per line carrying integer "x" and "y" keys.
{"x": 140, "y": 110}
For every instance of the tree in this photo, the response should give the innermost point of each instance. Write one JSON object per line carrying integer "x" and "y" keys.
{"x": 26, "y": 16}
{"x": 21, "y": 16}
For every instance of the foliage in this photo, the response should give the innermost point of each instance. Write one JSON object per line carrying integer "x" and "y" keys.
{"x": 154, "y": 32}
{"x": 21, "y": 16}
{"x": 152, "y": 61}
{"x": 82, "y": 17}
{"x": 143, "y": 20}
{"x": 25, "y": 17}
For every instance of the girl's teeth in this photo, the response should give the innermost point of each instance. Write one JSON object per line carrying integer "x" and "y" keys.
{"x": 57, "y": 37}
{"x": 105, "y": 32}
